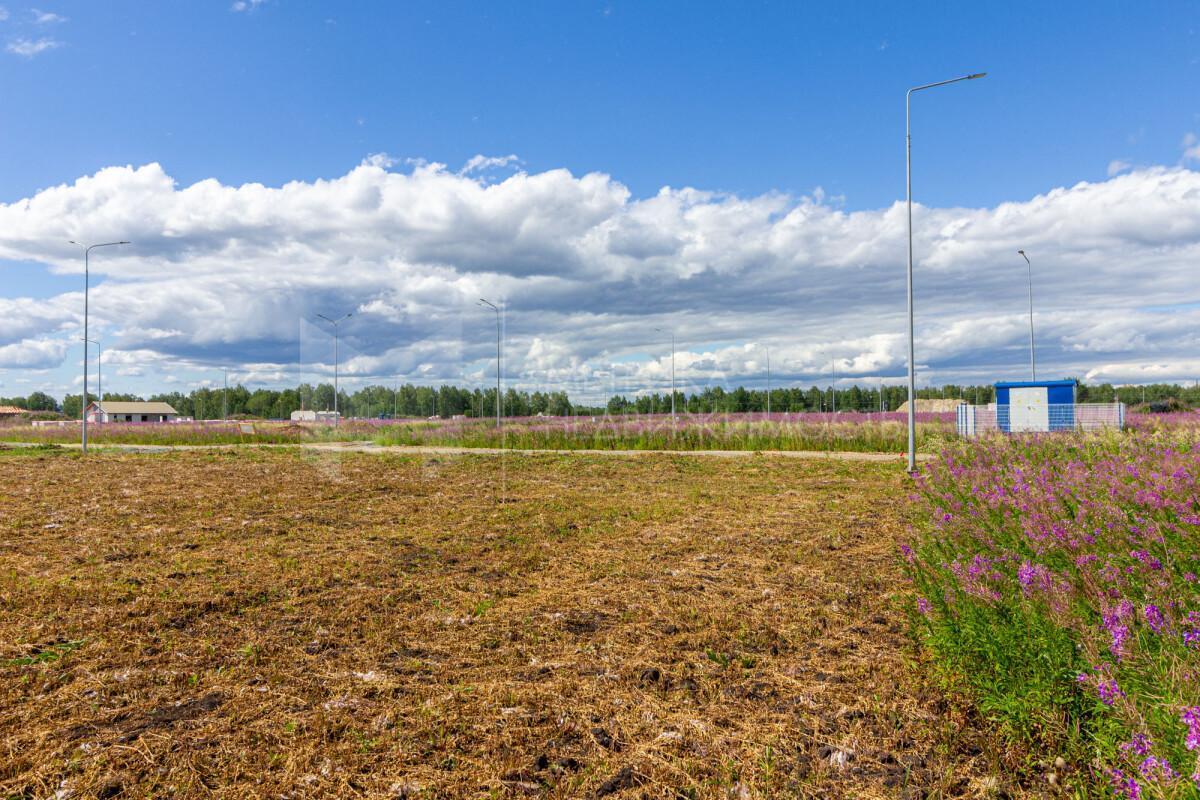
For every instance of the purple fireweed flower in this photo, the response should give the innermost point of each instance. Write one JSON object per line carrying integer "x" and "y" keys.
{"x": 1154, "y": 767}
{"x": 923, "y": 606}
{"x": 1124, "y": 786}
{"x": 1191, "y": 718}
{"x": 1115, "y": 621}
{"x": 1109, "y": 692}
{"x": 1154, "y": 618}
{"x": 1139, "y": 745}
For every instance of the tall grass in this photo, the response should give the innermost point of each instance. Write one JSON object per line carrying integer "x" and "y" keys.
{"x": 845, "y": 432}
{"x": 185, "y": 433}
{"x": 1056, "y": 578}
{"x": 837, "y": 432}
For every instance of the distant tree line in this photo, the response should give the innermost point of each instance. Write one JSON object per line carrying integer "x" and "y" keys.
{"x": 410, "y": 400}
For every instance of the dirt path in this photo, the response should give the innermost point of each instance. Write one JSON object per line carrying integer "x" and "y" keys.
{"x": 325, "y": 623}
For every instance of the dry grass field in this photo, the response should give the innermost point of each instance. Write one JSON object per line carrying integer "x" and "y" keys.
{"x": 287, "y": 625}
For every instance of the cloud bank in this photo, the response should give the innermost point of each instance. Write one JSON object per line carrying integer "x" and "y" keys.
{"x": 234, "y": 275}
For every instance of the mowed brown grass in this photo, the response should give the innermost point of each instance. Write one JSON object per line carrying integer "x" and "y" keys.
{"x": 285, "y": 624}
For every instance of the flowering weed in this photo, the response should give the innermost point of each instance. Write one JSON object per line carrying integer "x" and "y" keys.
{"x": 1056, "y": 579}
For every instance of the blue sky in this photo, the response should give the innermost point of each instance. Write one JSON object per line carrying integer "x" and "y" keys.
{"x": 752, "y": 99}
{"x": 745, "y": 97}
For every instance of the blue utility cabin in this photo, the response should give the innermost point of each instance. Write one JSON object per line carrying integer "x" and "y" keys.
{"x": 1035, "y": 406}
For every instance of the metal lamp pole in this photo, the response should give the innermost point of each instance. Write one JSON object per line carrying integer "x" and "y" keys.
{"x": 483, "y": 302}
{"x": 833, "y": 388}
{"x": 912, "y": 366}
{"x": 1032, "y": 357}
{"x": 672, "y": 376}
{"x": 87, "y": 251}
{"x": 99, "y": 367}
{"x": 335, "y": 324}
{"x": 768, "y": 383}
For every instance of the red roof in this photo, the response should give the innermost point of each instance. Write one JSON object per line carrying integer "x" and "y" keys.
{"x": 11, "y": 410}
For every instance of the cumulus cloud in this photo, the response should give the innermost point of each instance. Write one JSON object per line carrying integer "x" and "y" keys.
{"x": 1117, "y": 166}
{"x": 33, "y": 354}
{"x": 246, "y": 5}
{"x": 222, "y": 274}
{"x": 32, "y": 47}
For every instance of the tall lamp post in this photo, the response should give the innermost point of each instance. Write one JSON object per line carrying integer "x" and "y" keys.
{"x": 768, "y": 382}
{"x": 87, "y": 252}
{"x": 833, "y": 388}
{"x": 660, "y": 330}
{"x": 483, "y": 302}
{"x": 1032, "y": 357}
{"x": 99, "y": 367}
{"x": 335, "y": 323}
{"x": 912, "y": 365}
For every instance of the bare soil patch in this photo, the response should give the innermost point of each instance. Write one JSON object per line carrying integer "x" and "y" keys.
{"x": 302, "y": 624}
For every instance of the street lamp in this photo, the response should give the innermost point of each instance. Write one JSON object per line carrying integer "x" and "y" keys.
{"x": 1032, "y": 358}
{"x": 87, "y": 251}
{"x": 99, "y": 373}
{"x": 660, "y": 330}
{"x": 833, "y": 388}
{"x": 335, "y": 323}
{"x": 483, "y": 302}
{"x": 768, "y": 382}
{"x": 912, "y": 366}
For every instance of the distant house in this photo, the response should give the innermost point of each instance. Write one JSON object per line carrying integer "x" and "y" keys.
{"x": 113, "y": 411}
{"x": 934, "y": 405}
{"x": 7, "y": 412}
{"x": 308, "y": 415}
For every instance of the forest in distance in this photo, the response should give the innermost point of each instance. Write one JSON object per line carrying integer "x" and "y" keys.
{"x": 411, "y": 400}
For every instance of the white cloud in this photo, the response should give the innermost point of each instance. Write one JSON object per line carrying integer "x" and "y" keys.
{"x": 32, "y": 47}
{"x": 222, "y": 274}
{"x": 46, "y": 17}
{"x": 480, "y": 163}
{"x": 1191, "y": 148}
{"x": 3, "y": 13}
{"x": 246, "y": 5}
{"x": 1117, "y": 166}
{"x": 381, "y": 160}
{"x": 33, "y": 354}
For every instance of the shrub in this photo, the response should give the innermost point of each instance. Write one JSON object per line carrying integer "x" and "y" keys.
{"x": 1056, "y": 578}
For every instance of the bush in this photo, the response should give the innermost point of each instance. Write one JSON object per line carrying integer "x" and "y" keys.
{"x": 1056, "y": 579}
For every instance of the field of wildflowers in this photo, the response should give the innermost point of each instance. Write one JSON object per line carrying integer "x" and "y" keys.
{"x": 185, "y": 433}
{"x": 857, "y": 432}
{"x": 1056, "y": 582}
{"x": 801, "y": 431}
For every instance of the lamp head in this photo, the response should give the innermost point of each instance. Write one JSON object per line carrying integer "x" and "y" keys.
{"x": 976, "y": 75}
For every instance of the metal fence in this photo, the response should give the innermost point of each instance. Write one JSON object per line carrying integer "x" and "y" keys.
{"x": 974, "y": 420}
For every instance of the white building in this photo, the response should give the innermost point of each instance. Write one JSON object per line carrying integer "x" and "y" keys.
{"x": 308, "y": 415}
{"x": 113, "y": 411}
